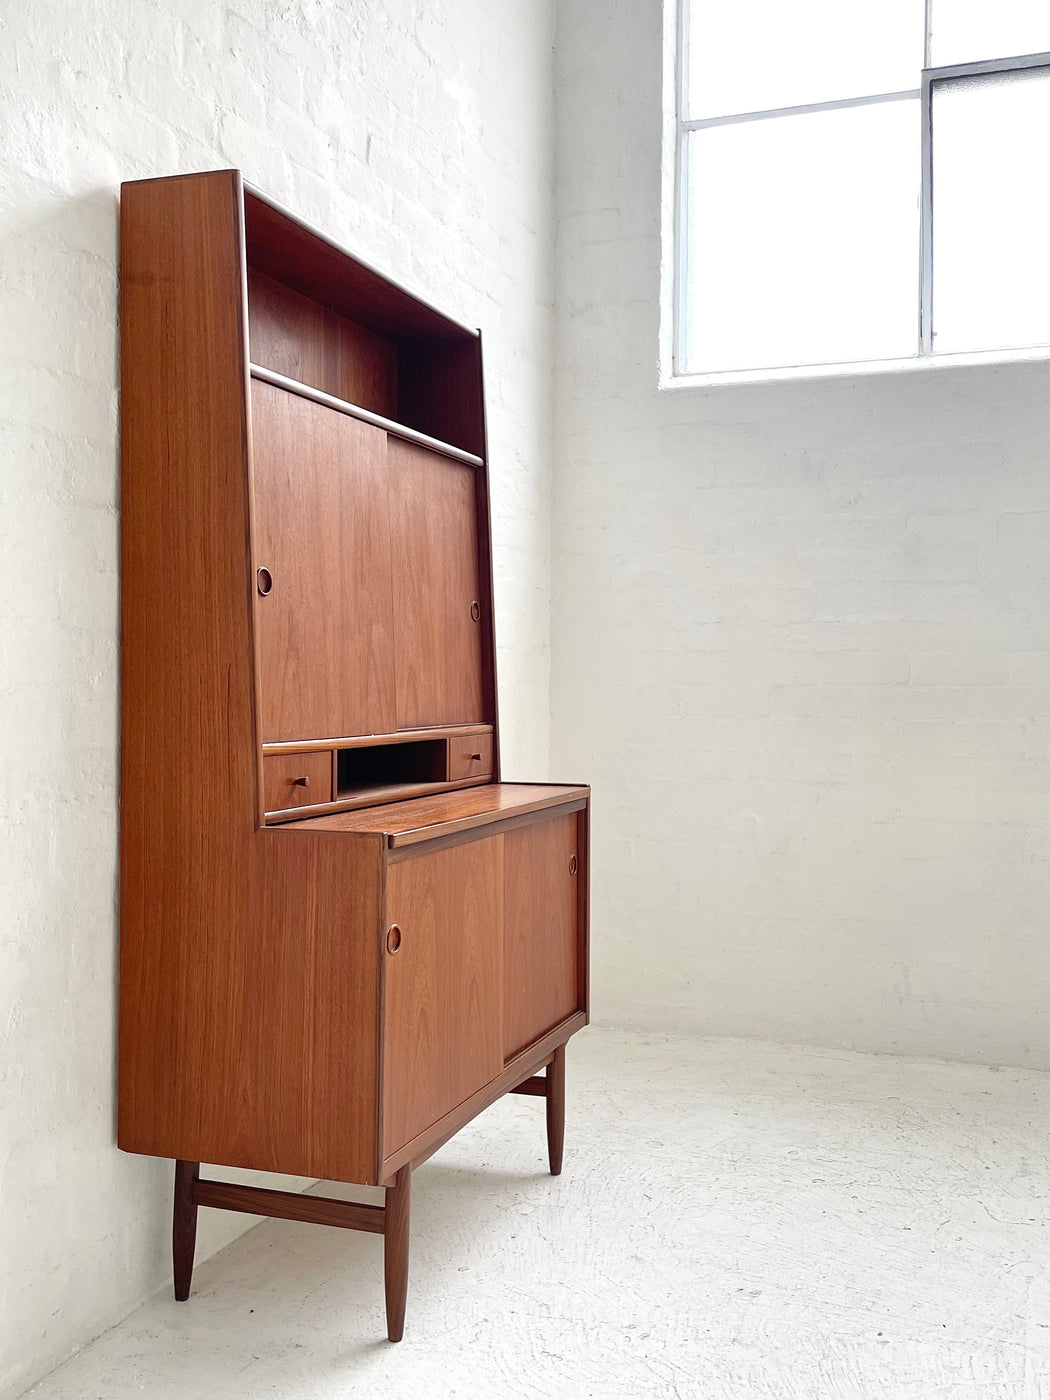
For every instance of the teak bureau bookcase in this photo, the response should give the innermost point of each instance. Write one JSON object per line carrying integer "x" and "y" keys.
{"x": 342, "y": 936}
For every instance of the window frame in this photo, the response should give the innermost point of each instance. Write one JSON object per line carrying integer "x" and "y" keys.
{"x": 925, "y": 355}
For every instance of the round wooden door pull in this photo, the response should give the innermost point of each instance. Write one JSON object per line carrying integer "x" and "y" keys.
{"x": 300, "y": 782}
{"x": 573, "y": 865}
{"x": 263, "y": 581}
{"x": 475, "y": 610}
{"x": 393, "y": 938}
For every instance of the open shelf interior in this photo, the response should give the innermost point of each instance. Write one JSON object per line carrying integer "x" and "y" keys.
{"x": 318, "y": 316}
{"x": 390, "y": 765}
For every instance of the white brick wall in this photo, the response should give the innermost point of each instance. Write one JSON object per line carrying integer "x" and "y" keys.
{"x": 421, "y": 136}
{"x": 801, "y": 646}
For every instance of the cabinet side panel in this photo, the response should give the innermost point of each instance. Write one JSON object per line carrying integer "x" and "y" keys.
{"x": 541, "y": 973}
{"x": 187, "y": 754}
{"x": 249, "y": 958}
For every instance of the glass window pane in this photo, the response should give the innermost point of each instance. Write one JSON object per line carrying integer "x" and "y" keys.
{"x": 968, "y": 31}
{"x": 766, "y": 54}
{"x": 991, "y": 212}
{"x": 802, "y": 239}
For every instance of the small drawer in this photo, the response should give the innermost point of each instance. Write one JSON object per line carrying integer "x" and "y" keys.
{"x": 470, "y": 757}
{"x": 297, "y": 780}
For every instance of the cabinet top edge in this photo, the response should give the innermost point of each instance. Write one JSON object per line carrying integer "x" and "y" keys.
{"x": 441, "y": 324}
{"x": 282, "y": 210}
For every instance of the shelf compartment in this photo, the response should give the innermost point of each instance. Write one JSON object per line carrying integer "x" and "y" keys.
{"x": 364, "y": 770}
{"x": 353, "y": 410}
{"x": 320, "y": 317}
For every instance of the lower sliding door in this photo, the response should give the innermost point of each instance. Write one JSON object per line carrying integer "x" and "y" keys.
{"x": 442, "y": 1037}
{"x": 541, "y": 868}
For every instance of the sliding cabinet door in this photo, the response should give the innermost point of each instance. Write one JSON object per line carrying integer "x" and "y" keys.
{"x": 443, "y": 959}
{"x": 437, "y": 598}
{"x": 323, "y": 580}
{"x": 541, "y": 987}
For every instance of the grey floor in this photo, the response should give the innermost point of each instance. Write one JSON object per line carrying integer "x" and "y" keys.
{"x": 735, "y": 1220}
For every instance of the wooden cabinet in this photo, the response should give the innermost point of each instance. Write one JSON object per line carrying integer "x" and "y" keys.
{"x": 342, "y": 935}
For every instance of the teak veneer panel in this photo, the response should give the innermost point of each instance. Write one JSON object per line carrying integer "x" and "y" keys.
{"x": 427, "y": 818}
{"x": 540, "y": 943}
{"x": 442, "y": 986}
{"x": 470, "y": 756}
{"x": 299, "y": 338}
{"x": 437, "y": 596}
{"x": 297, "y": 780}
{"x": 248, "y": 962}
{"x": 322, "y": 529}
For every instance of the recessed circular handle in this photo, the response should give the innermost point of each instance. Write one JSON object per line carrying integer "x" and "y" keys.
{"x": 263, "y": 581}
{"x": 393, "y": 938}
{"x": 573, "y": 865}
{"x": 475, "y": 610}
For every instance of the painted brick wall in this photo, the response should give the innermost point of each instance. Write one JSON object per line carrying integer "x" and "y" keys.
{"x": 801, "y": 646}
{"x": 421, "y": 136}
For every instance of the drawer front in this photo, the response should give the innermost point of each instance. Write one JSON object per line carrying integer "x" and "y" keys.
{"x": 470, "y": 757}
{"x": 297, "y": 780}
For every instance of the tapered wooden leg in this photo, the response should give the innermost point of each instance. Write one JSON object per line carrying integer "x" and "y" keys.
{"x": 395, "y": 1252}
{"x": 184, "y": 1227}
{"x": 556, "y": 1110}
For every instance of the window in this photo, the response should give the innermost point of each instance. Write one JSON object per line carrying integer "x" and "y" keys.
{"x": 860, "y": 181}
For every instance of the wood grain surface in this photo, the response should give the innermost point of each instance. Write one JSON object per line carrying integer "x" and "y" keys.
{"x": 426, "y": 818}
{"x": 249, "y": 961}
{"x": 470, "y": 756}
{"x": 322, "y": 528}
{"x": 395, "y": 1252}
{"x": 289, "y": 1205}
{"x": 434, "y": 539}
{"x": 540, "y": 937}
{"x": 441, "y": 1031}
{"x": 297, "y": 337}
{"x": 283, "y": 778}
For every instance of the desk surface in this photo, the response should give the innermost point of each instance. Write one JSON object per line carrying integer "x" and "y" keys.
{"x": 425, "y": 818}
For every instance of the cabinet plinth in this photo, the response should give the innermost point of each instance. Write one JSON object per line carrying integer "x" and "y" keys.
{"x": 342, "y": 936}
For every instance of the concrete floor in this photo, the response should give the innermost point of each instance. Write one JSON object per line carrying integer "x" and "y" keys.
{"x": 736, "y": 1221}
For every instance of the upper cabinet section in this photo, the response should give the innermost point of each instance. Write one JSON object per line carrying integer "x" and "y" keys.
{"x": 309, "y": 449}
{"x": 324, "y": 320}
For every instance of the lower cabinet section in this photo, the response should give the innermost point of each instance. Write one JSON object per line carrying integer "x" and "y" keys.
{"x": 482, "y": 957}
